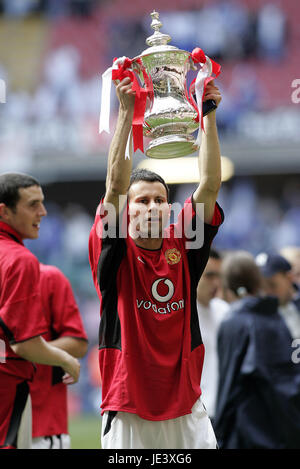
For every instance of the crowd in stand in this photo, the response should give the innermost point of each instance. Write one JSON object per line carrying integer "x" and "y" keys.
{"x": 227, "y": 32}
{"x": 50, "y": 8}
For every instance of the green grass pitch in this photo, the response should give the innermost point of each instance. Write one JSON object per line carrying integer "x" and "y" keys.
{"x": 85, "y": 432}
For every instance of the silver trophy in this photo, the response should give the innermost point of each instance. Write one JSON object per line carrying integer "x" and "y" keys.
{"x": 170, "y": 118}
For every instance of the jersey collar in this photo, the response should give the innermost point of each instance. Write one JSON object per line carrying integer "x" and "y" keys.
{"x": 4, "y": 227}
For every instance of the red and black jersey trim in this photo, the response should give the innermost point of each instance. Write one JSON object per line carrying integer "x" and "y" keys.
{"x": 7, "y": 331}
{"x": 22, "y": 392}
{"x": 112, "y": 254}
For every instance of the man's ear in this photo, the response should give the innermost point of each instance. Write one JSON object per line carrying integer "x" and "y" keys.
{"x": 1, "y": 210}
{"x": 4, "y": 211}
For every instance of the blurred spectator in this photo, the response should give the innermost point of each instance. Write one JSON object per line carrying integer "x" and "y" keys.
{"x": 126, "y": 37}
{"x": 243, "y": 94}
{"x": 278, "y": 282}
{"x": 61, "y": 90}
{"x": 77, "y": 229}
{"x": 271, "y": 29}
{"x": 52, "y": 8}
{"x": 211, "y": 31}
{"x": 82, "y": 7}
{"x": 19, "y": 8}
{"x": 221, "y": 29}
{"x": 241, "y": 213}
{"x": 211, "y": 311}
{"x": 55, "y": 8}
{"x": 181, "y": 26}
{"x": 258, "y": 403}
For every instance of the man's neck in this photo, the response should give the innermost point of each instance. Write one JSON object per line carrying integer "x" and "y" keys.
{"x": 204, "y": 302}
{"x": 149, "y": 243}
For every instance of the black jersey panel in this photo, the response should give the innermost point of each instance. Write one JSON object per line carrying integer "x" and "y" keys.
{"x": 112, "y": 254}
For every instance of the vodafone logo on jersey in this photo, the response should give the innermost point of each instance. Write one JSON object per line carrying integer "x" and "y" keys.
{"x": 162, "y": 291}
{"x": 157, "y": 296}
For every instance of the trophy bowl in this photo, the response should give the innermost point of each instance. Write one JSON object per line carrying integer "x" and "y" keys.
{"x": 170, "y": 118}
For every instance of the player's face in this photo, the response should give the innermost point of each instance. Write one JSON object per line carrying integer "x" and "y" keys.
{"x": 149, "y": 210}
{"x": 29, "y": 211}
{"x": 210, "y": 281}
{"x": 279, "y": 285}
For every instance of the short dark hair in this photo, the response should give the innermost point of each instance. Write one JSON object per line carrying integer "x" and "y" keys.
{"x": 148, "y": 176}
{"x": 10, "y": 183}
{"x": 241, "y": 272}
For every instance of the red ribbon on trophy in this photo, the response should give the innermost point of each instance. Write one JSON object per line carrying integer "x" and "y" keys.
{"x": 123, "y": 68}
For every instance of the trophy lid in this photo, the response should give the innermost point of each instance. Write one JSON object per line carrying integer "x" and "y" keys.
{"x": 158, "y": 41}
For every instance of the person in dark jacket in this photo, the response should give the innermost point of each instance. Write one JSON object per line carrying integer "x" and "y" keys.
{"x": 258, "y": 404}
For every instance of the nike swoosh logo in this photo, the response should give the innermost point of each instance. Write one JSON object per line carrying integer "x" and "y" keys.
{"x": 141, "y": 260}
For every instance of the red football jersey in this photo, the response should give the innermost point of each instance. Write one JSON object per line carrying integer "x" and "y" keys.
{"x": 21, "y": 316}
{"x": 48, "y": 393}
{"x": 150, "y": 347}
{"x": 21, "y": 319}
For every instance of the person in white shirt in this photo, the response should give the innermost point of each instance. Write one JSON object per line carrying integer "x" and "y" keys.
{"x": 211, "y": 311}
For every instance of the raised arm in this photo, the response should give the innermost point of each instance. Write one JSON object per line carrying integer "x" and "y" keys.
{"x": 119, "y": 168}
{"x": 209, "y": 159}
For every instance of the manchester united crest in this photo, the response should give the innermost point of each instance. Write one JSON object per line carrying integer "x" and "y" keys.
{"x": 173, "y": 256}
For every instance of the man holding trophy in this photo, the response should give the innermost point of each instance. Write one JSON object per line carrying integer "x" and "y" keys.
{"x": 150, "y": 348}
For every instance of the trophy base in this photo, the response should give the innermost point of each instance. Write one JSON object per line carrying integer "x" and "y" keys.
{"x": 171, "y": 146}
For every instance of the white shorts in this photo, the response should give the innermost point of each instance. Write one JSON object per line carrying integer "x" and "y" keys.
{"x": 25, "y": 429}
{"x": 62, "y": 441}
{"x": 122, "y": 430}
